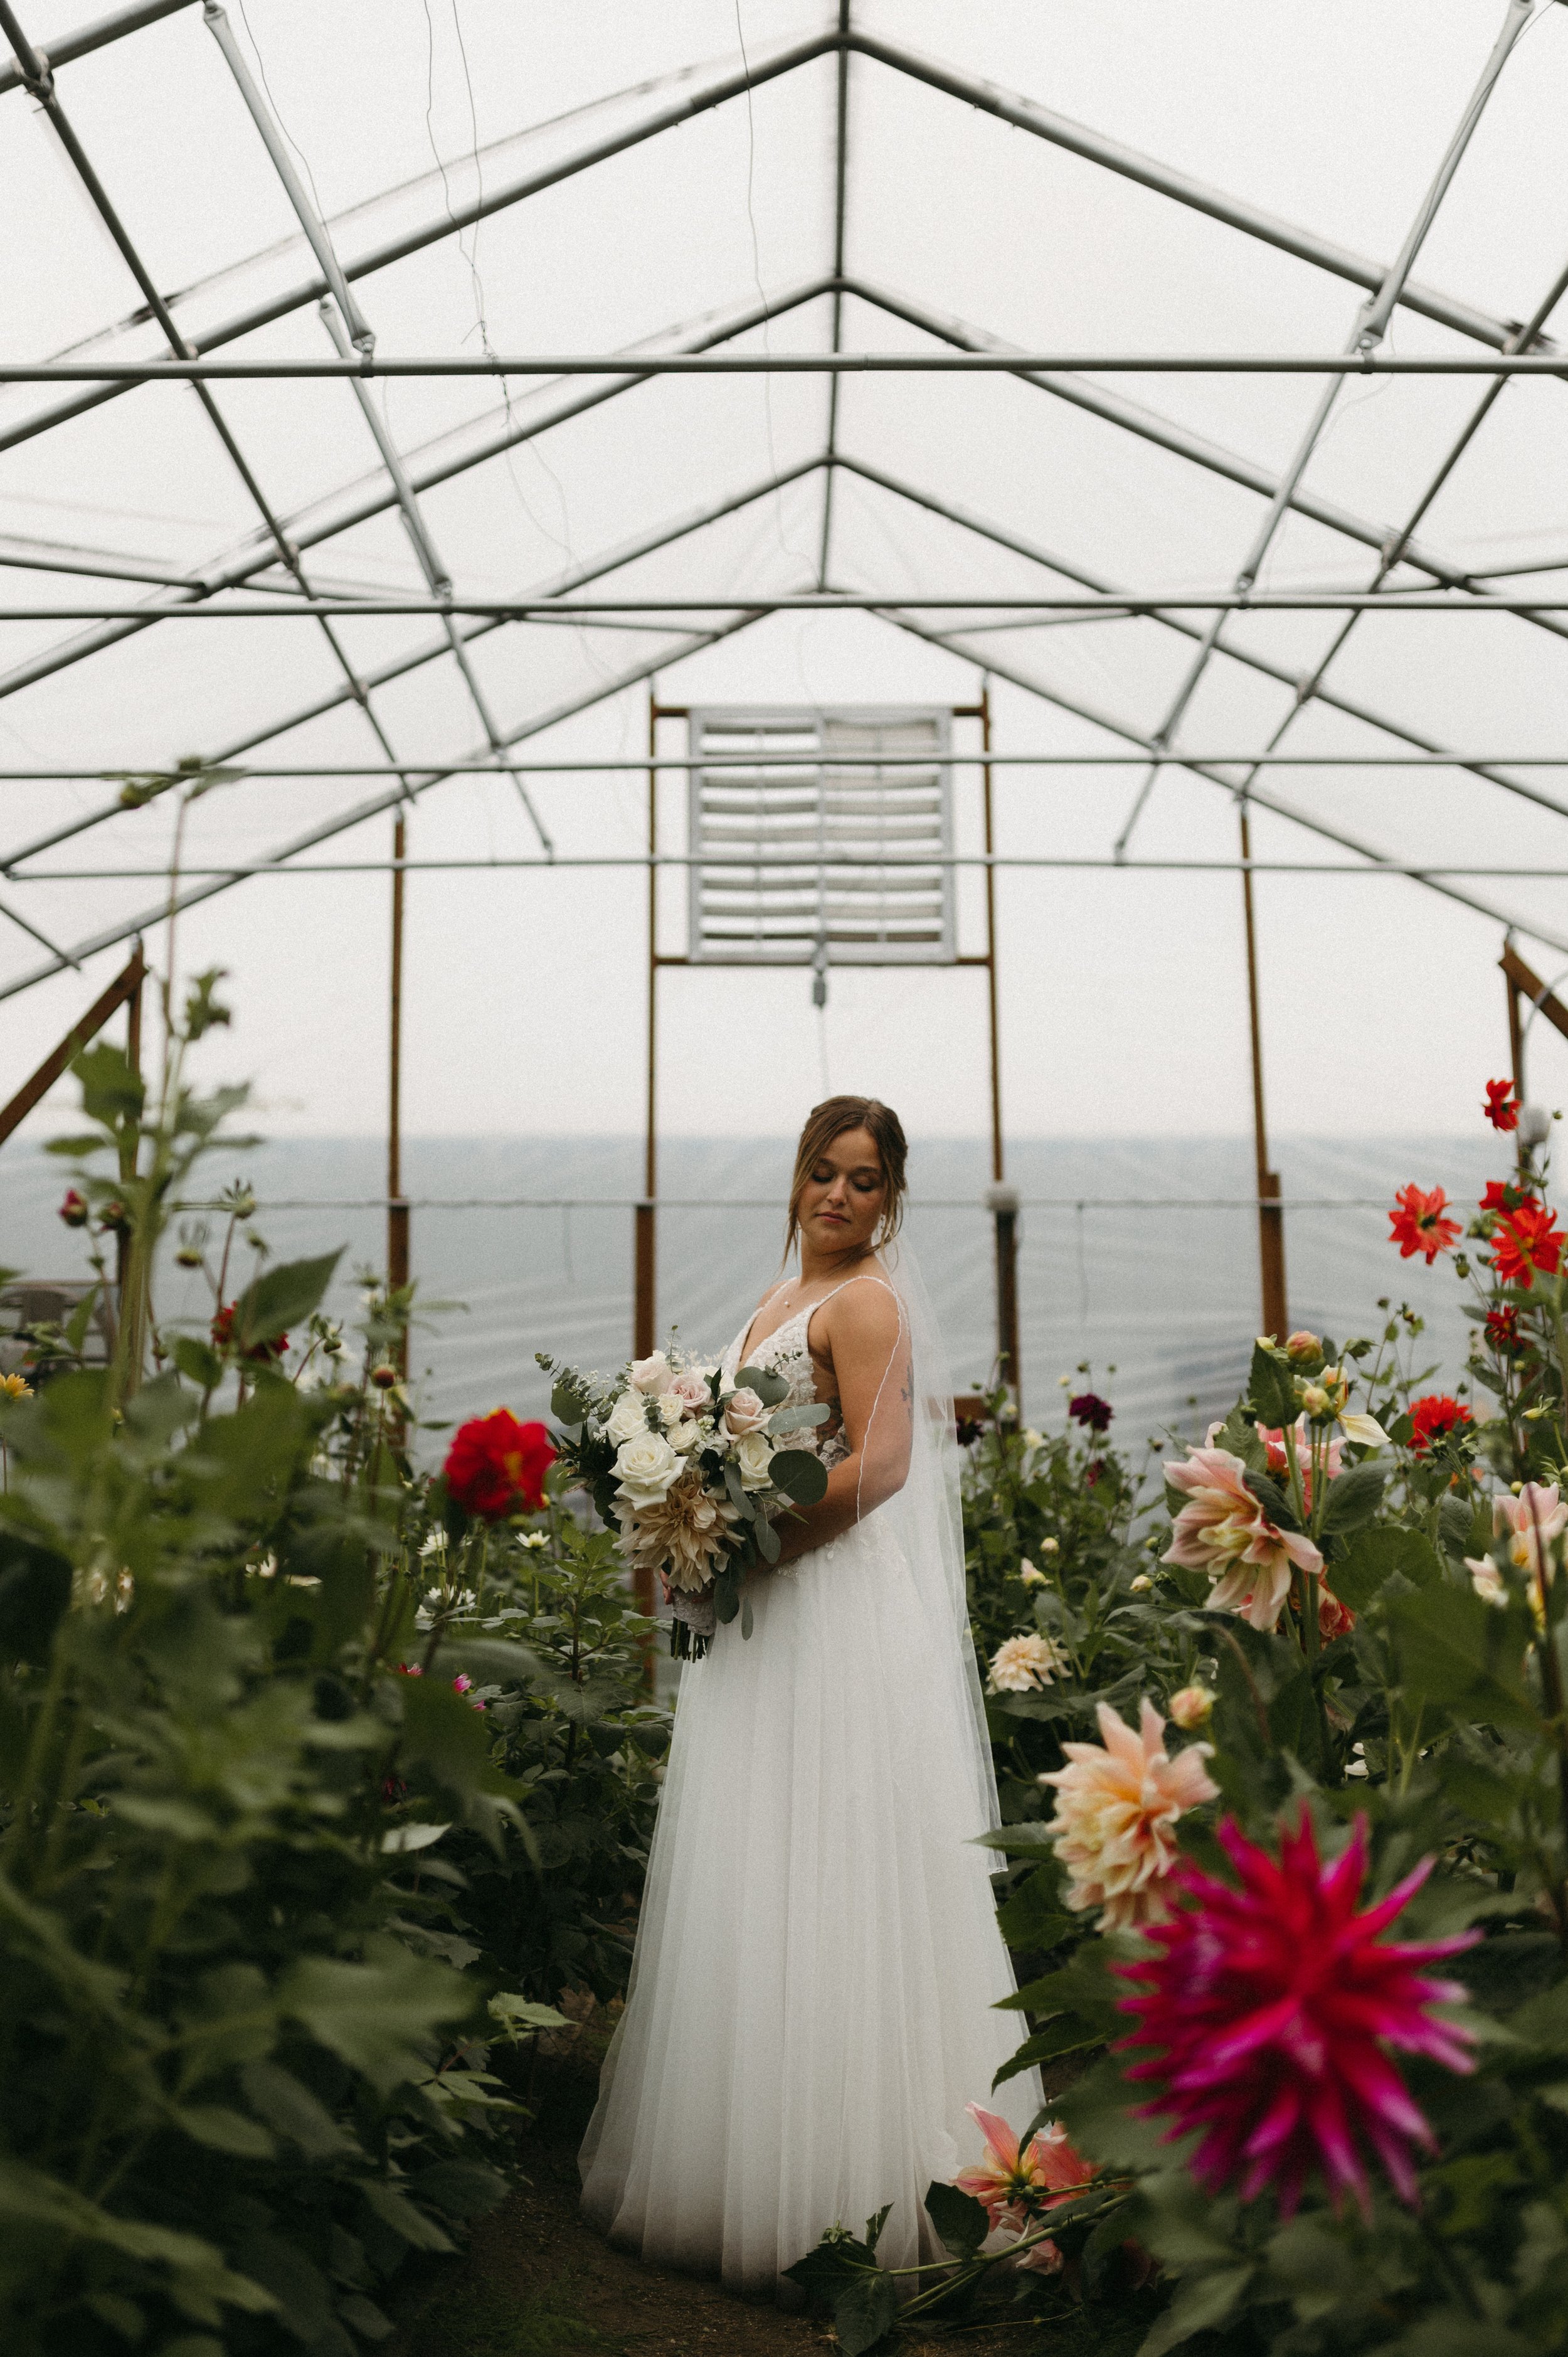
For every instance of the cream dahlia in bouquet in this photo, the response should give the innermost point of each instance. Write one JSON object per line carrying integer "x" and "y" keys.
{"x": 689, "y": 1472}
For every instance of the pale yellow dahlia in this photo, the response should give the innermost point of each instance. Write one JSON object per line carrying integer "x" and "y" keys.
{"x": 681, "y": 1534}
{"x": 1118, "y": 1802}
{"x": 1023, "y": 1662}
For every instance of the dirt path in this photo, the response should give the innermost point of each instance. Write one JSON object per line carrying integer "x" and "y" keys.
{"x": 537, "y": 2282}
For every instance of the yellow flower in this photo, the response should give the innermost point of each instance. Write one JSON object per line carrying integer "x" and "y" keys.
{"x": 14, "y": 1387}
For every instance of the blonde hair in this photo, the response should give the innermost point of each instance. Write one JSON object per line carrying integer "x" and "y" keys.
{"x": 830, "y": 1120}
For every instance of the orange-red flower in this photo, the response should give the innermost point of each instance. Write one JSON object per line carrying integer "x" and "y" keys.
{"x": 1434, "y": 1419}
{"x": 1499, "y": 1108}
{"x": 1502, "y": 1195}
{"x": 496, "y": 1466}
{"x": 1524, "y": 1243}
{"x": 1502, "y": 1330}
{"x": 1419, "y": 1224}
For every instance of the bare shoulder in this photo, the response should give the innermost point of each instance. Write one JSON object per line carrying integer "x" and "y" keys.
{"x": 864, "y": 1316}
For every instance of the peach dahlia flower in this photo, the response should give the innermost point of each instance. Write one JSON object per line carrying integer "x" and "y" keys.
{"x": 1224, "y": 1530}
{"x": 1118, "y": 1802}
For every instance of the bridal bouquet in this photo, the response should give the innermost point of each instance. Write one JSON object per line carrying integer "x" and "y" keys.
{"x": 691, "y": 1475}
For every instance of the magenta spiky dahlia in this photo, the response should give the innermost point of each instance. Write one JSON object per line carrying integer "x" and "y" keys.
{"x": 1274, "y": 2006}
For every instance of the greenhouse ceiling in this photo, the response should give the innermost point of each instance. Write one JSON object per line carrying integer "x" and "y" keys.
{"x": 387, "y": 390}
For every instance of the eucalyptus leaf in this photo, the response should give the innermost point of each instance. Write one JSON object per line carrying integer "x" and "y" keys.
{"x": 802, "y": 1476}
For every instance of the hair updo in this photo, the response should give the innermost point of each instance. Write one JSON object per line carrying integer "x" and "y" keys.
{"x": 830, "y": 1120}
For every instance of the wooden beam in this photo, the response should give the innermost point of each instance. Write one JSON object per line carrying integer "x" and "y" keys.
{"x": 126, "y": 985}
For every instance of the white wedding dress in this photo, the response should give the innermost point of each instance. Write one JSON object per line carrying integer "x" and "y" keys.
{"x": 818, "y": 1957}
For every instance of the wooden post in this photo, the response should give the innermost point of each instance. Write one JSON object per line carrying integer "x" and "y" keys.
{"x": 646, "y": 1234}
{"x": 397, "y": 1206}
{"x": 1001, "y": 1199}
{"x": 128, "y": 1160}
{"x": 1270, "y": 1218}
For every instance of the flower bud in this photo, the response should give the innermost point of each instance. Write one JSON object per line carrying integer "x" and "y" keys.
{"x": 1143, "y": 1584}
{"x": 1191, "y": 1707}
{"x": 1050, "y": 1547}
{"x": 73, "y": 1211}
{"x": 189, "y": 1257}
{"x": 1316, "y": 1402}
{"x": 383, "y": 1377}
{"x": 1301, "y": 1345}
{"x": 1030, "y": 1576}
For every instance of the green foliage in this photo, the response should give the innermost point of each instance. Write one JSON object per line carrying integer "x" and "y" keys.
{"x": 298, "y": 1838}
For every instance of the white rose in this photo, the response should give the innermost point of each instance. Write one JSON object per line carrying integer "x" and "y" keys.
{"x": 684, "y": 1437}
{"x": 672, "y": 1408}
{"x": 647, "y": 1467}
{"x": 628, "y": 1418}
{"x": 744, "y": 1411}
{"x": 754, "y": 1455}
{"x": 651, "y": 1375}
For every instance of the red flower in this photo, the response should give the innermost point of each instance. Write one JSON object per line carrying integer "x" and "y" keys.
{"x": 1090, "y": 1410}
{"x": 1273, "y": 2006}
{"x": 1418, "y": 1223}
{"x": 1502, "y": 1330}
{"x": 223, "y": 1337}
{"x": 1434, "y": 1419}
{"x": 496, "y": 1466}
{"x": 1523, "y": 1242}
{"x": 1502, "y": 1195}
{"x": 73, "y": 1211}
{"x": 1500, "y": 1112}
{"x": 460, "y": 1683}
{"x": 1334, "y": 1619}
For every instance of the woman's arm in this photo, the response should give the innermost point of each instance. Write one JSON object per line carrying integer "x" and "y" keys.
{"x": 869, "y": 1353}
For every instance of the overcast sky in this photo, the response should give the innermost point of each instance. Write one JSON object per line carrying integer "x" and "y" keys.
{"x": 1124, "y": 1008}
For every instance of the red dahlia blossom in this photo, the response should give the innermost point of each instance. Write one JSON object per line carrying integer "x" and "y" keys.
{"x": 1502, "y": 1195}
{"x": 1272, "y": 2006}
{"x": 223, "y": 1337}
{"x": 1502, "y": 1330}
{"x": 496, "y": 1466}
{"x": 1090, "y": 1410}
{"x": 1434, "y": 1419}
{"x": 1524, "y": 1241}
{"x": 1500, "y": 1112}
{"x": 1418, "y": 1224}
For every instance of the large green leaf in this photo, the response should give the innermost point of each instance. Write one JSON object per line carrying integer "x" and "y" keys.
{"x": 1463, "y": 1654}
{"x": 1374, "y": 1555}
{"x": 1353, "y": 1499}
{"x": 376, "y": 2016}
{"x": 1201, "y": 2302}
{"x": 770, "y": 1387}
{"x": 866, "y": 2312}
{"x": 960, "y": 2220}
{"x": 113, "y": 1091}
{"x": 802, "y": 1476}
{"x": 1271, "y": 1389}
{"x": 282, "y": 1297}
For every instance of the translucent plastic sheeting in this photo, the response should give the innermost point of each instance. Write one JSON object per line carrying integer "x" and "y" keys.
{"x": 1090, "y": 178}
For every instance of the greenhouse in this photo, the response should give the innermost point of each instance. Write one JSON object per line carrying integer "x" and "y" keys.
{"x": 590, "y": 593}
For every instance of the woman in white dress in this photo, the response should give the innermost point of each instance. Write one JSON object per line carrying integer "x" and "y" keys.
{"x": 818, "y": 1957}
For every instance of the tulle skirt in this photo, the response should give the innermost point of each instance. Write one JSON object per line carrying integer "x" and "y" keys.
{"x": 818, "y": 1957}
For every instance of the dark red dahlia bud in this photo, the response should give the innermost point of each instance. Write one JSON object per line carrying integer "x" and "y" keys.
{"x": 73, "y": 1211}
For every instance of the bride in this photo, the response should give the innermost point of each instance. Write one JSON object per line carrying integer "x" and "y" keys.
{"x": 818, "y": 1957}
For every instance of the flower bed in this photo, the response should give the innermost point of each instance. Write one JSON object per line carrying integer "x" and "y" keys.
{"x": 298, "y": 1843}
{"x": 1283, "y": 1761}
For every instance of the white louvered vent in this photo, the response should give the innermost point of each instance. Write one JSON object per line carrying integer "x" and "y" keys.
{"x": 833, "y": 859}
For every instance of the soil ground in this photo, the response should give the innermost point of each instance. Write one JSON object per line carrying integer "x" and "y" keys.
{"x": 536, "y": 2282}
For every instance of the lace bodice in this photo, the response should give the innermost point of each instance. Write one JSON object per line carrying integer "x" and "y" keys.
{"x": 787, "y": 1353}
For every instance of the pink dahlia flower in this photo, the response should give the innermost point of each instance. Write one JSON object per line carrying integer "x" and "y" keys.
{"x": 1013, "y": 2184}
{"x": 1273, "y": 2006}
{"x": 1118, "y": 1802}
{"x": 1224, "y": 1530}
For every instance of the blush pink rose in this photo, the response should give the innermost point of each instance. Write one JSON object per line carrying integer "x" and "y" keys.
{"x": 744, "y": 1413}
